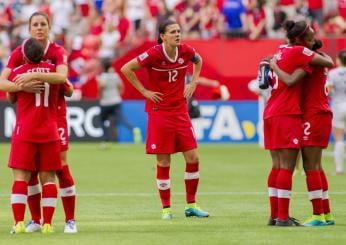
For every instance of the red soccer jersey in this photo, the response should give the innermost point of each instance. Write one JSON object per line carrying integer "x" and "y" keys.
{"x": 315, "y": 94}
{"x": 54, "y": 54}
{"x": 167, "y": 76}
{"x": 61, "y": 99}
{"x": 286, "y": 100}
{"x": 36, "y": 119}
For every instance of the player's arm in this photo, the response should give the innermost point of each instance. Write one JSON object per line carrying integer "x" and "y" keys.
{"x": 11, "y": 97}
{"x": 322, "y": 60}
{"x": 197, "y": 66}
{"x": 68, "y": 92}
{"x": 7, "y": 86}
{"x": 288, "y": 79}
{"x": 129, "y": 72}
{"x": 57, "y": 77}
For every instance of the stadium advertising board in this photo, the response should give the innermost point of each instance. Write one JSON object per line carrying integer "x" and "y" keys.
{"x": 219, "y": 121}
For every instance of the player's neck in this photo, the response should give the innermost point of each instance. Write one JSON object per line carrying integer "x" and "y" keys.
{"x": 171, "y": 51}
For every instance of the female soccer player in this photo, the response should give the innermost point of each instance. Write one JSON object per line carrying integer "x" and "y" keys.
{"x": 35, "y": 141}
{"x": 39, "y": 27}
{"x": 169, "y": 126}
{"x": 317, "y": 121}
{"x": 337, "y": 85}
{"x": 283, "y": 118}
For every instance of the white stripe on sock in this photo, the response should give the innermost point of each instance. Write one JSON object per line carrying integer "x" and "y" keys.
{"x": 325, "y": 195}
{"x": 191, "y": 175}
{"x": 284, "y": 193}
{"x": 315, "y": 194}
{"x": 34, "y": 189}
{"x": 18, "y": 198}
{"x": 49, "y": 202}
{"x": 163, "y": 184}
{"x": 68, "y": 191}
{"x": 272, "y": 192}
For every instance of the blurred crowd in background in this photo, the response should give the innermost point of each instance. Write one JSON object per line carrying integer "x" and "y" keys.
{"x": 96, "y": 30}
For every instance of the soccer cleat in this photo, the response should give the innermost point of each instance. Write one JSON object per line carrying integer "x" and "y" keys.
{"x": 315, "y": 220}
{"x": 137, "y": 135}
{"x": 329, "y": 217}
{"x": 47, "y": 229}
{"x": 70, "y": 227}
{"x": 271, "y": 221}
{"x": 18, "y": 228}
{"x": 288, "y": 222}
{"x": 192, "y": 210}
{"x": 32, "y": 226}
{"x": 167, "y": 213}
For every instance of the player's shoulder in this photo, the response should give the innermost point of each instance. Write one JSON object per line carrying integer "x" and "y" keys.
{"x": 186, "y": 47}
{"x": 56, "y": 48}
{"x": 301, "y": 50}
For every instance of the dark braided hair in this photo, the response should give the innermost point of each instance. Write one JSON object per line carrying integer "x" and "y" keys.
{"x": 295, "y": 29}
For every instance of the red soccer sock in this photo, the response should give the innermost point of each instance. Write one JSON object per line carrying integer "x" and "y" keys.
{"x": 67, "y": 192}
{"x": 34, "y": 198}
{"x": 164, "y": 185}
{"x": 18, "y": 199}
{"x": 314, "y": 184}
{"x": 191, "y": 181}
{"x": 49, "y": 196}
{"x": 284, "y": 186}
{"x": 273, "y": 192}
{"x": 325, "y": 195}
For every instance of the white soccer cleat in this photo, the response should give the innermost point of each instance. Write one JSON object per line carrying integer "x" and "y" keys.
{"x": 70, "y": 227}
{"x": 32, "y": 226}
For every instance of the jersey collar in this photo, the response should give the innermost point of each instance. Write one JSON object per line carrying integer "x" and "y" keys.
{"x": 46, "y": 48}
{"x": 167, "y": 56}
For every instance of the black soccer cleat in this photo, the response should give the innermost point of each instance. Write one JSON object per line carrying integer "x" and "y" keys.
{"x": 271, "y": 222}
{"x": 288, "y": 222}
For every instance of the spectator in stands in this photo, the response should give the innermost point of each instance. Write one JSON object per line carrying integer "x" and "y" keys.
{"x": 256, "y": 19}
{"x": 302, "y": 10}
{"x": 288, "y": 7}
{"x": 190, "y": 19}
{"x": 163, "y": 13}
{"x": 21, "y": 20}
{"x": 108, "y": 41}
{"x": 234, "y": 12}
{"x": 316, "y": 12}
{"x": 334, "y": 24}
{"x": 211, "y": 20}
{"x": 275, "y": 16}
{"x": 61, "y": 10}
{"x": 342, "y": 8}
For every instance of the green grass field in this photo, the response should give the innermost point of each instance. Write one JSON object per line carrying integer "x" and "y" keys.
{"x": 117, "y": 200}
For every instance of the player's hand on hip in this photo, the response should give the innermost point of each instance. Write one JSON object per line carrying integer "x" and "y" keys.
{"x": 190, "y": 89}
{"x": 34, "y": 86}
{"x": 155, "y": 97}
{"x": 23, "y": 78}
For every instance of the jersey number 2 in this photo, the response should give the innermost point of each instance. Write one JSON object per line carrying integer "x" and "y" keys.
{"x": 45, "y": 96}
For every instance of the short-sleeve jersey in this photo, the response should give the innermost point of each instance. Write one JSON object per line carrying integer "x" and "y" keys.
{"x": 337, "y": 78}
{"x": 167, "y": 76}
{"x": 36, "y": 119}
{"x": 315, "y": 94}
{"x": 53, "y": 54}
{"x": 286, "y": 100}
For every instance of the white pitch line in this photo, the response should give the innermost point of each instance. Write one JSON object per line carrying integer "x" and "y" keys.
{"x": 147, "y": 194}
